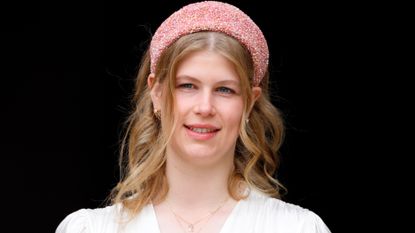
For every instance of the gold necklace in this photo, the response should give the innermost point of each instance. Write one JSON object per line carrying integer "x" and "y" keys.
{"x": 191, "y": 226}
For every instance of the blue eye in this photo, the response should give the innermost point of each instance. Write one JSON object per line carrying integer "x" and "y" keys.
{"x": 225, "y": 90}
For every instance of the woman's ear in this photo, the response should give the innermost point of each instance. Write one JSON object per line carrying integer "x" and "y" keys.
{"x": 256, "y": 93}
{"x": 155, "y": 91}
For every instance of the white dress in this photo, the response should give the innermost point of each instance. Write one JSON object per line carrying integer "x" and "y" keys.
{"x": 256, "y": 214}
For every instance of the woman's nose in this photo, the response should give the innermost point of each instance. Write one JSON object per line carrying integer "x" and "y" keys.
{"x": 204, "y": 105}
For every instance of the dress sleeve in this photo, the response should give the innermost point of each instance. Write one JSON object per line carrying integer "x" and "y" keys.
{"x": 314, "y": 224}
{"x": 76, "y": 222}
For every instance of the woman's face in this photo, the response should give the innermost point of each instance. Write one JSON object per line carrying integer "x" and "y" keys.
{"x": 208, "y": 108}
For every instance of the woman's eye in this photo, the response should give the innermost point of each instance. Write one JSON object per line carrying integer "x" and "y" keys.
{"x": 225, "y": 90}
{"x": 186, "y": 86}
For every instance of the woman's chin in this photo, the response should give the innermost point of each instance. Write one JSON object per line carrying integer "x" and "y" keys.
{"x": 201, "y": 154}
{"x": 202, "y": 157}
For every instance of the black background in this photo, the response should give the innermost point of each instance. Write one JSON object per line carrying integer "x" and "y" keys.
{"x": 68, "y": 75}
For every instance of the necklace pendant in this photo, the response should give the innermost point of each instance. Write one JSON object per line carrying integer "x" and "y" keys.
{"x": 190, "y": 228}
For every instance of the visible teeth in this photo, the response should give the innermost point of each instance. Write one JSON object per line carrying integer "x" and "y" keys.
{"x": 202, "y": 130}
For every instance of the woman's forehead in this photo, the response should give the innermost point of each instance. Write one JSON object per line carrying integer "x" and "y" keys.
{"x": 207, "y": 65}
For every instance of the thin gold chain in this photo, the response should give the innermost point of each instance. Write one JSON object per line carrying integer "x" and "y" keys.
{"x": 191, "y": 226}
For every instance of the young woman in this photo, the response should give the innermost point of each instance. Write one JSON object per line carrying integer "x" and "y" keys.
{"x": 202, "y": 142}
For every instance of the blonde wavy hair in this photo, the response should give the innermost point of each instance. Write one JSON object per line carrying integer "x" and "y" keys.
{"x": 142, "y": 154}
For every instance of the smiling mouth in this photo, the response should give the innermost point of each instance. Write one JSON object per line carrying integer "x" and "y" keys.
{"x": 202, "y": 130}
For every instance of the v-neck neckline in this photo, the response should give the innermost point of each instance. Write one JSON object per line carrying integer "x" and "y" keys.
{"x": 223, "y": 228}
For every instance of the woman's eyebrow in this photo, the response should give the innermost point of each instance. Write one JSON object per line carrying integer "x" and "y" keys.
{"x": 187, "y": 77}
{"x": 229, "y": 81}
{"x": 225, "y": 81}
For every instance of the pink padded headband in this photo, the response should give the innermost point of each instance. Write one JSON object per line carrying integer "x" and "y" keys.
{"x": 212, "y": 16}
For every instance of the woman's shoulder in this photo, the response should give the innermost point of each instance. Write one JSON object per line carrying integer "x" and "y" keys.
{"x": 90, "y": 220}
{"x": 263, "y": 202}
{"x": 277, "y": 213}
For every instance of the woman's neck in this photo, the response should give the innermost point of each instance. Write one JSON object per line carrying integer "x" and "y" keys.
{"x": 197, "y": 187}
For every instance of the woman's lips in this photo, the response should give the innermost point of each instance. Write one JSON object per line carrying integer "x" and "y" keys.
{"x": 201, "y": 131}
